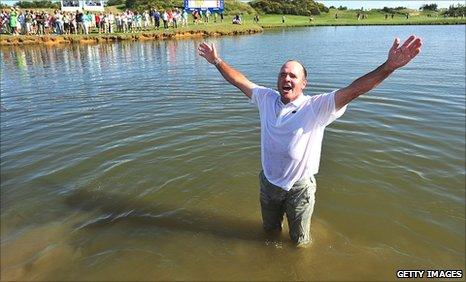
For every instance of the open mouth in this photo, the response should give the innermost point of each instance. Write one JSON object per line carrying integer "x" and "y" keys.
{"x": 286, "y": 88}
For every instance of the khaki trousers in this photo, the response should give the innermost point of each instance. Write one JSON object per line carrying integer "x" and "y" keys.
{"x": 297, "y": 204}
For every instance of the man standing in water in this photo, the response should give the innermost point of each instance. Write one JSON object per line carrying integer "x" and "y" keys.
{"x": 292, "y": 128}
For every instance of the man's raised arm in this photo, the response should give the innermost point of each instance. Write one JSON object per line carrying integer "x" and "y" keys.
{"x": 397, "y": 57}
{"x": 233, "y": 76}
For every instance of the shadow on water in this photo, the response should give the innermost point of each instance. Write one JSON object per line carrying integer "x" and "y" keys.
{"x": 120, "y": 209}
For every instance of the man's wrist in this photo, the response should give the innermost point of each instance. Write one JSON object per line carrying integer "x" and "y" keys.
{"x": 217, "y": 62}
{"x": 387, "y": 68}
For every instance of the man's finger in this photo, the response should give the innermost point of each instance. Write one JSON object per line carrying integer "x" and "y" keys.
{"x": 408, "y": 41}
{"x": 202, "y": 46}
{"x": 205, "y": 46}
{"x": 203, "y": 51}
{"x": 395, "y": 44}
{"x": 416, "y": 43}
{"x": 414, "y": 49}
{"x": 414, "y": 54}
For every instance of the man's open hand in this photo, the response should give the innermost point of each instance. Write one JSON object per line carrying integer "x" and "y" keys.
{"x": 208, "y": 52}
{"x": 400, "y": 56}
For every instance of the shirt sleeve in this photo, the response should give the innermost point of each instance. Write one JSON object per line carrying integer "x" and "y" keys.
{"x": 324, "y": 108}
{"x": 258, "y": 94}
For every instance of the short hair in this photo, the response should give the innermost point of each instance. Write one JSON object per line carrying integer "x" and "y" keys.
{"x": 304, "y": 69}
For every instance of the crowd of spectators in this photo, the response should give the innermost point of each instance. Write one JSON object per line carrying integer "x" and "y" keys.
{"x": 30, "y": 22}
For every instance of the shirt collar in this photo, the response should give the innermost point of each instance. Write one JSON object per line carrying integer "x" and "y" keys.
{"x": 299, "y": 101}
{"x": 296, "y": 103}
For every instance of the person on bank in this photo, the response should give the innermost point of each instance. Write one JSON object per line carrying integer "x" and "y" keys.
{"x": 292, "y": 128}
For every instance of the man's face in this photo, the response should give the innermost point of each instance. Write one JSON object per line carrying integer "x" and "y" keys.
{"x": 291, "y": 81}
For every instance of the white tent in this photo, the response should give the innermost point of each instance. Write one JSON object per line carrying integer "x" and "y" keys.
{"x": 80, "y": 5}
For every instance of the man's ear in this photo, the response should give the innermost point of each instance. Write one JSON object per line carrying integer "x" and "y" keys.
{"x": 304, "y": 83}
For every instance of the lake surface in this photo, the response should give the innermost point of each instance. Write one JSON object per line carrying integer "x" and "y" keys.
{"x": 137, "y": 161}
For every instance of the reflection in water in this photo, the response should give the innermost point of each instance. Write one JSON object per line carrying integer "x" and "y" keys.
{"x": 171, "y": 52}
{"x": 86, "y": 59}
{"x": 80, "y": 64}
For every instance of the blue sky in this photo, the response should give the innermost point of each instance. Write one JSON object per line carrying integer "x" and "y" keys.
{"x": 370, "y": 4}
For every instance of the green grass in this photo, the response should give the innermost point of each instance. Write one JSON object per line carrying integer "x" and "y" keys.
{"x": 349, "y": 18}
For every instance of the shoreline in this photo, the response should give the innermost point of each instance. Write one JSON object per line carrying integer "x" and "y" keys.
{"x": 52, "y": 39}
{"x": 181, "y": 33}
{"x": 362, "y": 24}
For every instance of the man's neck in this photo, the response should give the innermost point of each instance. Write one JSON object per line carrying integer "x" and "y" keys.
{"x": 286, "y": 101}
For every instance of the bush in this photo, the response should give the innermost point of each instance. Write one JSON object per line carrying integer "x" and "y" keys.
{"x": 315, "y": 11}
{"x": 115, "y": 2}
{"x": 322, "y": 7}
{"x": 38, "y": 4}
{"x": 429, "y": 7}
{"x": 141, "y": 5}
{"x": 233, "y": 7}
{"x": 456, "y": 11}
{"x": 290, "y": 7}
{"x": 397, "y": 10}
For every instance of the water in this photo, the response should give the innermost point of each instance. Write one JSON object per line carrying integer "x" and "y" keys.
{"x": 136, "y": 161}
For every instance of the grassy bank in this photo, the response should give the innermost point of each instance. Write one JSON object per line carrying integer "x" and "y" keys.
{"x": 350, "y": 18}
{"x": 218, "y": 29}
{"x": 226, "y": 28}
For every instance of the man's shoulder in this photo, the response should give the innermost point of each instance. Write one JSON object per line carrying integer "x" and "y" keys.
{"x": 319, "y": 97}
{"x": 262, "y": 90}
{"x": 260, "y": 94}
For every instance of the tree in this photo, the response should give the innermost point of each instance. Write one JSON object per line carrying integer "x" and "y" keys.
{"x": 456, "y": 11}
{"x": 429, "y": 7}
{"x": 115, "y": 2}
{"x": 148, "y": 4}
{"x": 38, "y": 4}
{"x": 290, "y": 7}
{"x": 397, "y": 10}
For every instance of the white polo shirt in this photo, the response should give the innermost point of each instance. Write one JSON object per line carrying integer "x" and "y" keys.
{"x": 291, "y": 134}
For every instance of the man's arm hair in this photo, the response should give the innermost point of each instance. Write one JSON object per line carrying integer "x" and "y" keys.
{"x": 361, "y": 85}
{"x": 235, "y": 78}
{"x": 397, "y": 57}
{"x": 231, "y": 75}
